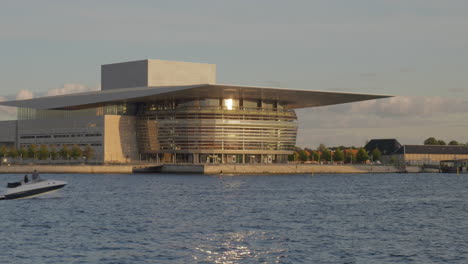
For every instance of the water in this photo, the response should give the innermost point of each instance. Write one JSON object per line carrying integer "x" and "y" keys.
{"x": 385, "y": 218}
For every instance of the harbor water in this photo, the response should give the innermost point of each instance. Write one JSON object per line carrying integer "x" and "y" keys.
{"x": 328, "y": 218}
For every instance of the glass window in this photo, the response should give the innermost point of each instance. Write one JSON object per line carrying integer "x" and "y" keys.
{"x": 209, "y": 102}
{"x": 250, "y": 104}
{"x": 267, "y": 105}
{"x": 230, "y": 104}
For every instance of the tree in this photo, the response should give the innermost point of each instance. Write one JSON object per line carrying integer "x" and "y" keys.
{"x": 362, "y": 155}
{"x": 376, "y": 154}
{"x": 53, "y": 153}
{"x": 310, "y": 151}
{"x": 326, "y": 155}
{"x": 76, "y": 152}
{"x": 441, "y": 142}
{"x": 303, "y": 155}
{"x": 350, "y": 157}
{"x": 43, "y": 152}
{"x": 23, "y": 152}
{"x": 32, "y": 151}
{"x": 3, "y": 152}
{"x": 13, "y": 153}
{"x": 338, "y": 155}
{"x": 65, "y": 152}
{"x": 315, "y": 156}
{"x": 431, "y": 141}
{"x": 322, "y": 148}
{"x": 454, "y": 143}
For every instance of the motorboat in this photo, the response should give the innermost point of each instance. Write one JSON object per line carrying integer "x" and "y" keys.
{"x": 22, "y": 189}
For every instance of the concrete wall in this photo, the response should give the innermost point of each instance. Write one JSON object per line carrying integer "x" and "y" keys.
{"x": 120, "y": 144}
{"x": 168, "y": 73}
{"x": 299, "y": 168}
{"x": 124, "y": 75}
{"x": 156, "y": 73}
{"x": 67, "y": 169}
{"x": 8, "y": 132}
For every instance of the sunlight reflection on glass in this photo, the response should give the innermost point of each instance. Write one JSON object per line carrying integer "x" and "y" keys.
{"x": 228, "y": 103}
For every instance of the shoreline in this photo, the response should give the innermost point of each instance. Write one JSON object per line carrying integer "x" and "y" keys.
{"x": 206, "y": 169}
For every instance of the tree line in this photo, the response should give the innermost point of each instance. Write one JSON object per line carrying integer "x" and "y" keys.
{"x": 434, "y": 141}
{"x": 335, "y": 154}
{"x": 43, "y": 152}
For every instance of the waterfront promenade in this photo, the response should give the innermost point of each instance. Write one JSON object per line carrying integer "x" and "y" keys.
{"x": 206, "y": 168}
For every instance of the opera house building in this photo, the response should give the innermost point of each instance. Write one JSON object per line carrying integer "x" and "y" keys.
{"x": 169, "y": 112}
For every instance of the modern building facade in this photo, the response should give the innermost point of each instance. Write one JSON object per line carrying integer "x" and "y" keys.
{"x": 169, "y": 112}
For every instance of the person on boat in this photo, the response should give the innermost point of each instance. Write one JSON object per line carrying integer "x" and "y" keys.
{"x": 35, "y": 175}
{"x": 26, "y": 179}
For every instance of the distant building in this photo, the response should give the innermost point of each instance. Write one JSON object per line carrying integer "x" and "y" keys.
{"x": 429, "y": 154}
{"x": 169, "y": 112}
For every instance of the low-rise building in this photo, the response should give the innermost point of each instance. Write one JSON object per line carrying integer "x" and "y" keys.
{"x": 419, "y": 155}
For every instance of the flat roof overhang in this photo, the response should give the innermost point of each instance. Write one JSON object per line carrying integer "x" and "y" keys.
{"x": 292, "y": 98}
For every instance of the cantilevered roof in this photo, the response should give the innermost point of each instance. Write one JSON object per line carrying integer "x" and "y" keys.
{"x": 291, "y": 97}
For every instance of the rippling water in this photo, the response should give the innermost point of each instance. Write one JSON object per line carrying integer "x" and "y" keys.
{"x": 385, "y": 218}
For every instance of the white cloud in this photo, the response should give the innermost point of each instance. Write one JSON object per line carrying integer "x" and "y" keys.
{"x": 70, "y": 88}
{"x": 410, "y": 119}
{"x": 5, "y": 111}
{"x": 24, "y": 95}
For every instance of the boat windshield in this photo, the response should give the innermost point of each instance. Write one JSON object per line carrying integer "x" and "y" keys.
{"x": 13, "y": 184}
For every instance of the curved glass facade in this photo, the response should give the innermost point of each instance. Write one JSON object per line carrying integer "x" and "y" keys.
{"x": 216, "y": 130}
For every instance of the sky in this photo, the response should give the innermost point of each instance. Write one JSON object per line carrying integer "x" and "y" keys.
{"x": 416, "y": 50}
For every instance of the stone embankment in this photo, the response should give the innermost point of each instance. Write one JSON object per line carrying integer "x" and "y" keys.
{"x": 207, "y": 169}
{"x": 80, "y": 169}
{"x": 297, "y": 169}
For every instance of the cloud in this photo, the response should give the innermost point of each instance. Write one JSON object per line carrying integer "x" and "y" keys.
{"x": 456, "y": 90}
{"x": 68, "y": 88}
{"x": 24, "y": 95}
{"x": 8, "y": 112}
{"x": 399, "y": 106}
{"x": 410, "y": 119}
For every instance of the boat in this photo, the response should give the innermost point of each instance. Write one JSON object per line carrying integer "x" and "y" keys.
{"x": 22, "y": 189}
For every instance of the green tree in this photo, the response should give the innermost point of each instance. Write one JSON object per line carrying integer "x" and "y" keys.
{"x": 13, "y": 153}
{"x": 322, "y": 148}
{"x": 338, "y": 155}
{"x": 315, "y": 156}
{"x": 76, "y": 152}
{"x": 53, "y": 153}
{"x": 43, "y": 152}
{"x": 454, "y": 143}
{"x": 441, "y": 142}
{"x": 32, "y": 151}
{"x": 376, "y": 155}
{"x": 23, "y": 152}
{"x": 350, "y": 157}
{"x": 65, "y": 152}
{"x": 88, "y": 152}
{"x": 431, "y": 141}
{"x": 362, "y": 155}
{"x": 303, "y": 155}
{"x": 326, "y": 155}
{"x": 3, "y": 152}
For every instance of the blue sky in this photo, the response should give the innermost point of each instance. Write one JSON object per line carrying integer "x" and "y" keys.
{"x": 416, "y": 49}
